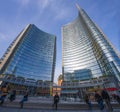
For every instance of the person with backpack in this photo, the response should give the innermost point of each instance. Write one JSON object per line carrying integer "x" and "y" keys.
{"x": 56, "y": 100}
{"x": 99, "y": 99}
{"x": 106, "y": 98}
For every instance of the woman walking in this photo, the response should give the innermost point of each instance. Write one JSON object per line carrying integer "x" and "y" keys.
{"x": 88, "y": 102}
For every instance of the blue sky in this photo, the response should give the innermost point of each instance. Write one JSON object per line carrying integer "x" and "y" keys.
{"x": 51, "y": 15}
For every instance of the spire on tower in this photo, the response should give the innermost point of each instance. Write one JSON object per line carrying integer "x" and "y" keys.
{"x": 78, "y": 7}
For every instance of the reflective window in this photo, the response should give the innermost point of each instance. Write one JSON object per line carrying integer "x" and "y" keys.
{"x": 34, "y": 57}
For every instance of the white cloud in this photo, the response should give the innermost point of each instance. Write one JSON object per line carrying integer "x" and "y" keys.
{"x": 24, "y": 2}
{"x": 55, "y": 7}
{"x": 2, "y": 36}
{"x": 61, "y": 14}
{"x": 45, "y": 3}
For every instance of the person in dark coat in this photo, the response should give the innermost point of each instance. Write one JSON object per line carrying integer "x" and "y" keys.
{"x": 106, "y": 98}
{"x": 4, "y": 92}
{"x": 88, "y": 102}
{"x": 56, "y": 100}
{"x": 12, "y": 95}
{"x": 25, "y": 98}
{"x": 99, "y": 99}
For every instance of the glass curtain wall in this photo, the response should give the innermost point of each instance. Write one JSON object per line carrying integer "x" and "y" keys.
{"x": 87, "y": 51}
{"x": 34, "y": 56}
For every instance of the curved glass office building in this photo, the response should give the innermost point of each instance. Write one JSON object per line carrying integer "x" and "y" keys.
{"x": 31, "y": 55}
{"x": 86, "y": 52}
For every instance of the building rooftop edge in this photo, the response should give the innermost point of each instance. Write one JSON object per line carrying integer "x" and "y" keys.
{"x": 71, "y": 22}
{"x": 41, "y": 30}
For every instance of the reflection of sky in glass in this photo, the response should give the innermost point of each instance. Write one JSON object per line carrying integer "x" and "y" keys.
{"x": 77, "y": 53}
{"x": 86, "y": 47}
{"x": 34, "y": 56}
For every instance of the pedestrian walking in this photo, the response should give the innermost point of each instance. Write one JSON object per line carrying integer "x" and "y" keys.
{"x": 88, "y": 102}
{"x": 106, "y": 98}
{"x": 99, "y": 99}
{"x": 56, "y": 100}
{"x": 117, "y": 98}
{"x": 4, "y": 92}
{"x": 12, "y": 96}
{"x": 25, "y": 98}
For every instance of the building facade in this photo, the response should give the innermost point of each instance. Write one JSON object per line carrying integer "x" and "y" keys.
{"x": 77, "y": 89}
{"x": 31, "y": 55}
{"x": 86, "y": 52}
{"x": 57, "y": 87}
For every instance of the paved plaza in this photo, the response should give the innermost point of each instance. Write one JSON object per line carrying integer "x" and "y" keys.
{"x": 40, "y": 104}
{"x": 9, "y": 109}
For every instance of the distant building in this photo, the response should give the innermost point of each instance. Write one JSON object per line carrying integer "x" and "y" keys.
{"x": 31, "y": 55}
{"x": 57, "y": 87}
{"x": 60, "y": 79}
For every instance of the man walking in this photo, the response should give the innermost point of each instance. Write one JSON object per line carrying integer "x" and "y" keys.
{"x": 56, "y": 100}
{"x": 106, "y": 98}
{"x": 99, "y": 99}
{"x": 25, "y": 98}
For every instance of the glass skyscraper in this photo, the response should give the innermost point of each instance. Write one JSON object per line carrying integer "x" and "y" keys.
{"x": 86, "y": 52}
{"x": 31, "y": 55}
